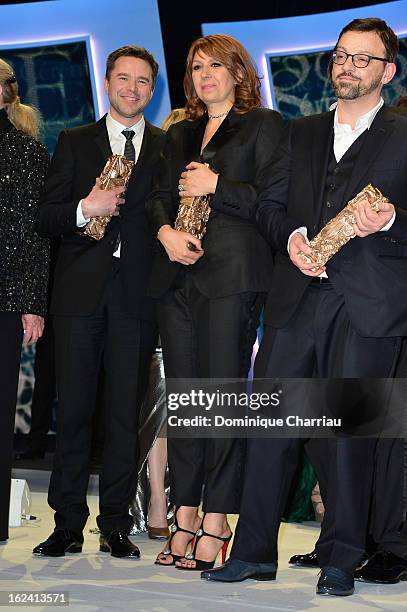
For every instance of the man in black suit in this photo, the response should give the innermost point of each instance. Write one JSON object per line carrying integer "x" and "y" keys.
{"x": 100, "y": 306}
{"x": 345, "y": 321}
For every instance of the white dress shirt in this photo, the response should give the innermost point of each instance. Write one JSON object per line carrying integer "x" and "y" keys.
{"x": 344, "y": 137}
{"x": 117, "y": 143}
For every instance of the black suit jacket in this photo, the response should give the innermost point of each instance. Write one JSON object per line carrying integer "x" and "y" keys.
{"x": 237, "y": 258}
{"x": 371, "y": 272}
{"x": 84, "y": 264}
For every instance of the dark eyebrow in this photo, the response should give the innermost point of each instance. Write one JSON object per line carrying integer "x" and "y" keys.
{"x": 339, "y": 48}
{"x": 145, "y": 78}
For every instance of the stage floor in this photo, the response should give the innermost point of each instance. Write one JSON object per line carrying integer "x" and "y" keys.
{"x": 96, "y": 581}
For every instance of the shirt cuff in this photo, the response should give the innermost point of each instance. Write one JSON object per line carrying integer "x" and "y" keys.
{"x": 301, "y": 230}
{"x": 81, "y": 221}
{"x": 389, "y": 224}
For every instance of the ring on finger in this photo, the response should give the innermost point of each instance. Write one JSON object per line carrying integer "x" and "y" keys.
{"x": 181, "y": 187}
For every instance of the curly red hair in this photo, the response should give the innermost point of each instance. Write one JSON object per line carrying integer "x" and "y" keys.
{"x": 232, "y": 54}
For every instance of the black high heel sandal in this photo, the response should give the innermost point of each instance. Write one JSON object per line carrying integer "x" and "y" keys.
{"x": 201, "y": 565}
{"x": 167, "y": 551}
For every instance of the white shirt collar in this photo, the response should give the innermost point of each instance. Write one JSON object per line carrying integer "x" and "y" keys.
{"x": 364, "y": 121}
{"x": 115, "y": 128}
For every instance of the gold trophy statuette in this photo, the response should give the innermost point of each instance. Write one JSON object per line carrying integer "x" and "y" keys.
{"x": 116, "y": 173}
{"x": 339, "y": 230}
{"x": 193, "y": 215}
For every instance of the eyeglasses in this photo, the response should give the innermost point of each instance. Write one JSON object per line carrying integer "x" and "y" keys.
{"x": 359, "y": 60}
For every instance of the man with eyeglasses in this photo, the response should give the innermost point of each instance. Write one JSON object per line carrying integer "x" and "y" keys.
{"x": 345, "y": 320}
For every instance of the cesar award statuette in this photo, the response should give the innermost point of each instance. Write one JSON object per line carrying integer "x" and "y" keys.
{"x": 116, "y": 173}
{"x": 193, "y": 215}
{"x": 339, "y": 230}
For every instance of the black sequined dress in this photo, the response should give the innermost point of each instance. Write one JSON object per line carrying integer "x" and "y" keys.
{"x": 23, "y": 275}
{"x": 24, "y": 256}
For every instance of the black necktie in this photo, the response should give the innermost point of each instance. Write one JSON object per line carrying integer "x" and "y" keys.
{"x": 129, "y": 150}
{"x": 130, "y": 153}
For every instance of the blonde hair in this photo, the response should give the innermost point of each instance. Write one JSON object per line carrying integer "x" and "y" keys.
{"x": 176, "y": 115}
{"x": 24, "y": 117}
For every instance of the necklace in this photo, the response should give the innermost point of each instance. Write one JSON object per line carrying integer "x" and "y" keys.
{"x": 218, "y": 116}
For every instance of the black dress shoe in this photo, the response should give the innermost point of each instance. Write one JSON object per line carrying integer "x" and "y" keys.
{"x": 29, "y": 455}
{"x": 334, "y": 581}
{"x": 307, "y": 560}
{"x": 383, "y": 568}
{"x": 235, "y": 570}
{"x": 61, "y": 541}
{"x": 119, "y": 545}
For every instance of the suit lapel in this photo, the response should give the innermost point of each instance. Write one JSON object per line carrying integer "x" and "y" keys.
{"x": 144, "y": 151}
{"x": 193, "y": 135}
{"x": 102, "y": 138}
{"x": 322, "y": 138}
{"x": 222, "y": 136}
{"x": 380, "y": 130}
{"x": 147, "y": 151}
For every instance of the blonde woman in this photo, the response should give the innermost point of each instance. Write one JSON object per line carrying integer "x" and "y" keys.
{"x": 23, "y": 257}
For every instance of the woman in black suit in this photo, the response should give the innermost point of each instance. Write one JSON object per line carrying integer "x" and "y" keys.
{"x": 23, "y": 258}
{"x": 209, "y": 298}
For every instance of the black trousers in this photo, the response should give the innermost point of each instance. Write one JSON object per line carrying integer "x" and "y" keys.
{"x": 386, "y": 528}
{"x": 11, "y": 335}
{"x": 318, "y": 341}
{"x": 206, "y": 338}
{"x": 44, "y": 389}
{"x": 126, "y": 344}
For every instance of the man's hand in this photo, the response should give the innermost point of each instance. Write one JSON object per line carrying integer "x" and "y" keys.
{"x": 176, "y": 245}
{"x": 33, "y": 326}
{"x": 369, "y": 221}
{"x": 198, "y": 180}
{"x": 298, "y": 243}
{"x": 102, "y": 202}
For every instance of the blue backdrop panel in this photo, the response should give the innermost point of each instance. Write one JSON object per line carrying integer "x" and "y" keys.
{"x": 106, "y": 25}
{"x": 56, "y": 79}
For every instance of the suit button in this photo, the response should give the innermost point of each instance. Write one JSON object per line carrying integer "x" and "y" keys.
{"x": 336, "y": 170}
{"x": 332, "y": 187}
{"x": 329, "y": 204}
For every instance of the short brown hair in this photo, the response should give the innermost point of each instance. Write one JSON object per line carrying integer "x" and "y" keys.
{"x": 232, "y": 54}
{"x": 131, "y": 51}
{"x": 385, "y": 33}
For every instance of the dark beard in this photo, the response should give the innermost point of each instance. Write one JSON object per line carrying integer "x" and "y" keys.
{"x": 353, "y": 91}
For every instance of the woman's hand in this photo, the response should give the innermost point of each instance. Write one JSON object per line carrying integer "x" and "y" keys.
{"x": 33, "y": 326}
{"x": 198, "y": 180}
{"x": 176, "y": 245}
